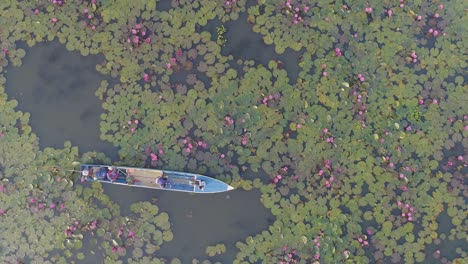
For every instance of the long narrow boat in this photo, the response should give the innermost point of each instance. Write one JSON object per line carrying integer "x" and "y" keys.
{"x": 153, "y": 179}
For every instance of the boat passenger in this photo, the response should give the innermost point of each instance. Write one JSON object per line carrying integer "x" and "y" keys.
{"x": 85, "y": 174}
{"x": 112, "y": 174}
{"x": 101, "y": 173}
{"x": 162, "y": 182}
{"x": 201, "y": 185}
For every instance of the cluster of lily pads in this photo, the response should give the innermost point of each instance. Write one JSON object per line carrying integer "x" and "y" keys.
{"x": 365, "y": 152}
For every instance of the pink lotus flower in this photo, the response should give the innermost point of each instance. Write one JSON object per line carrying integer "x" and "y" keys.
{"x": 244, "y": 140}
{"x": 389, "y": 13}
{"x": 338, "y": 52}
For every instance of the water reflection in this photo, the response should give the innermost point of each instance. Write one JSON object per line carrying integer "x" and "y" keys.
{"x": 57, "y": 88}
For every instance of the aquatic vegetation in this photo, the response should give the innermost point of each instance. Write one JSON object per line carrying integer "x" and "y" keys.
{"x": 221, "y": 40}
{"x": 363, "y": 154}
{"x": 215, "y": 250}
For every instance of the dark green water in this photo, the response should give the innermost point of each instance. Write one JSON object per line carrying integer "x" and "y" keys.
{"x": 57, "y": 88}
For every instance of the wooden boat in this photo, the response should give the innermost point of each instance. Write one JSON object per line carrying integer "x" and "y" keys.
{"x": 153, "y": 179}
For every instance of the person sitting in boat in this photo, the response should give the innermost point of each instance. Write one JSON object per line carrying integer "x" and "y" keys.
{"x": 112, "y": 174}
{"x": 101, "y": 173}
{"x": 162, "y": 182}
{"x": 199, "y": 183}
{"x": 86, "y": 174}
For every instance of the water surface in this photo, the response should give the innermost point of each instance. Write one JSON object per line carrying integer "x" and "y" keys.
{"x": 200, "y": 220}
{"x": 57, "y": 88}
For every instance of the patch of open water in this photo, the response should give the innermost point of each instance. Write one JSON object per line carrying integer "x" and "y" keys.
{"x": 57, "y": 88}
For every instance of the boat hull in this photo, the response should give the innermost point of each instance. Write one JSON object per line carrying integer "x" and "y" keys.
{"x": 153, "y": 179}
